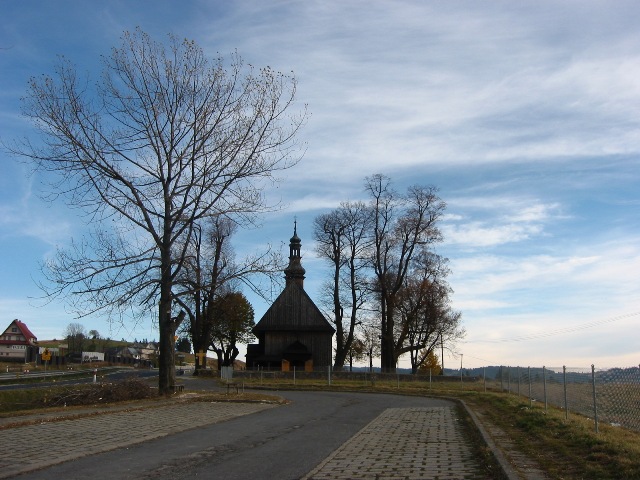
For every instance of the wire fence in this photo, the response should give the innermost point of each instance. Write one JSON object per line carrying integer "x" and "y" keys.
{"x": 611, "y": 396}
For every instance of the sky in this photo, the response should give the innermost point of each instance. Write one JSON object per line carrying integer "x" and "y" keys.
{"x": 525, "y": 115}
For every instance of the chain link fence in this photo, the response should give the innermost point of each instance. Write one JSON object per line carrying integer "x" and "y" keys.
{"x": 611, "y": 396}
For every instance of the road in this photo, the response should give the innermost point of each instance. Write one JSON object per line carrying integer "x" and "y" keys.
{"x": 283, "y": 442}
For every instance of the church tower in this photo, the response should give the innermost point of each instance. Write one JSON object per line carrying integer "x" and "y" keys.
{"x": 294, "y": 271}
{"x": 293, "y": 332}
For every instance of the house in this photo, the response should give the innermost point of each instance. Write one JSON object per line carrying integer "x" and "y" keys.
{"x": 18, "y": 344}
{"x": 293, "y": 333}
{"x": 148, "y": 350}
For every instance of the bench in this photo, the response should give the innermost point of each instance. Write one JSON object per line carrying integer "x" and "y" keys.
{"x": 177, "y": 388}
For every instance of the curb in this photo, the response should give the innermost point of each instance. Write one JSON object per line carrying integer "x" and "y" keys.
{"x": 502, "y": 460}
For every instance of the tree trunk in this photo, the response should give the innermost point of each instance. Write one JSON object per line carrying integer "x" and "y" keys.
{"x": 166, "y": 364}
{"x": 387, "y": 344}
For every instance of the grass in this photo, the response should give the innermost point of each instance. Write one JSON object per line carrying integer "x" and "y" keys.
{"x": 21, "y": 400}
{"x": 563, "y": 448}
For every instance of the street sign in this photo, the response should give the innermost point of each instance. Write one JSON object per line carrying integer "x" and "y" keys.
{"x": 46, "y": 355}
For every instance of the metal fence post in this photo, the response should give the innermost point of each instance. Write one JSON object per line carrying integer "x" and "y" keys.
{"x": 484, "y": 379}
{"x": 530, "y": 398}
{"x": 329, "y": 373}
{"x": 564, "y": 379}
{"x": 544, "y": 383}
{"x": 595, "y": 404}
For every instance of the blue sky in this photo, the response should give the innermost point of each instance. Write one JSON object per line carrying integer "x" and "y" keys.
{"x": 524, "y": 114}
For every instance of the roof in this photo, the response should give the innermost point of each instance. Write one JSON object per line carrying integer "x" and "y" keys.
{"x": 24, "y": 331}
{"x": 293, "y": 310}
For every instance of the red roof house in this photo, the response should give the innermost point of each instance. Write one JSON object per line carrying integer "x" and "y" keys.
{"x": 15, "y": 342}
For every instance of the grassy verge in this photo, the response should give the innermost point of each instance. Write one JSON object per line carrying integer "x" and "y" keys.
{"x": 20, "y": 400}
{"x": 564, "y": 448}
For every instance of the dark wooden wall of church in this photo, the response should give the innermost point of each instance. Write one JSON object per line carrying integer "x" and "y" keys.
{"x": 318, "y": 343}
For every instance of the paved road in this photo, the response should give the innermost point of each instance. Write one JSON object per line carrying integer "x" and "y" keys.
{"x": 318, "y": 435}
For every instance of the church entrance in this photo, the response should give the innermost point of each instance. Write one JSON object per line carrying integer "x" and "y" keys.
{"x": 297, "y": 356}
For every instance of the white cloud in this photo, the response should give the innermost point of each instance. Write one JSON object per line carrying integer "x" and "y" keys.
{"x": 477, "y": 234}
{"x": 525, "y": 114}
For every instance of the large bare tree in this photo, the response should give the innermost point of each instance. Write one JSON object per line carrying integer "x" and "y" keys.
{"x": 342, "y": 238}
{"x": 404, "y": 226}
{"x": 165, "y": 138}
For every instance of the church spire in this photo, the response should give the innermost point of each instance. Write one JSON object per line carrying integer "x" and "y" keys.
{"x": 294, "y": 271}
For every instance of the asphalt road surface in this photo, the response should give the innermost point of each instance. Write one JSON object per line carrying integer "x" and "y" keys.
{"x": 279, "y": 443}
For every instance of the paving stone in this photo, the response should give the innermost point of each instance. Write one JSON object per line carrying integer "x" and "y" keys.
{"x": 44, "y": 444}
{"x": 404, "y": 443}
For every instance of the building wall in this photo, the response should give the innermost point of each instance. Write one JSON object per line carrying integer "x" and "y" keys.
{"x": 319, "y": 344}
{"x": 12, "y": 352}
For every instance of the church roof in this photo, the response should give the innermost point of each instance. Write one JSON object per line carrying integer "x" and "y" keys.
{"x": 293, "y": 310}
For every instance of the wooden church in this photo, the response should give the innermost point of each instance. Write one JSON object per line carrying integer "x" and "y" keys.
{"x": 293, "y": 332}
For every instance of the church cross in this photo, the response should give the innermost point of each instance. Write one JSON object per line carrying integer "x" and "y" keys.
{"x": 200, "y": 356}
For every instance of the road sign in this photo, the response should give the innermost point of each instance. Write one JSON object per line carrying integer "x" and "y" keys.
{"x": 46, "y": 355}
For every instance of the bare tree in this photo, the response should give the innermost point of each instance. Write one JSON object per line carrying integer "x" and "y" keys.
{"x": 210, "y": 272}
{"x": 342, "y": 239}
{"x": 75, "y": 334}
{"x": 163, "y": 140}
{"x": 370, "y": 338}
{"x": 404, "y": 226}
